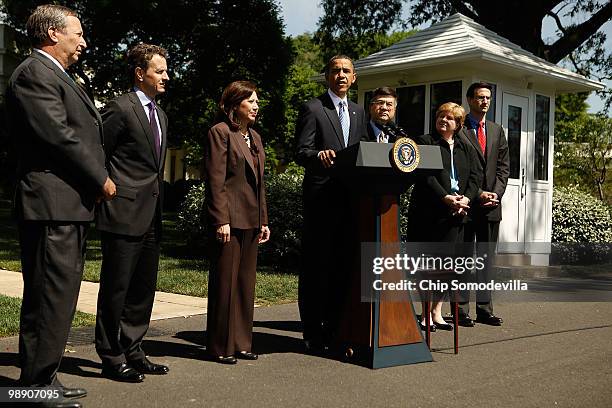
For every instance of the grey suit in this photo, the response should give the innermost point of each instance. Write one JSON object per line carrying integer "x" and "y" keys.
{"x": 57, "y": 132}
{"x": 131, "y": 226}
{"x": 326, "y": 214}
{"x": 483, "y": 223}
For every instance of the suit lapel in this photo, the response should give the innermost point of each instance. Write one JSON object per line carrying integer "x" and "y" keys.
{"x": 238, "y": 140}
{"x": 144, "y": 122}
{"x": 332, "y": 115}
{"x": 490, "y": 138}
{"x": 63, "y": 75}
{"x": 164, "y": 135}
{"x": 260, "y": 148}
{"x": 470, "y": 135}
{"x": 353, "y": 124}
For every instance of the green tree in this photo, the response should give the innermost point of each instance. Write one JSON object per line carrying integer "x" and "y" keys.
{"x": 583, "y": 153}
{"x": 210, "y": 44}
{"x": 582, "y": 43}
{"x": 300, "y": 88}
{"x": 351, "y": 27}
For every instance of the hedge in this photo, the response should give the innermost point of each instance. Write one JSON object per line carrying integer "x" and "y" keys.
{"x": 582, "y": 227}
{"x": 577, "y": 218}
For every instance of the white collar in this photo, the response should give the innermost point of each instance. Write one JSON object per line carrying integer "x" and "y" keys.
{"x": 46, "y": 54}
{"x": 144, "y": 99}
{"x": 336, "y": 99}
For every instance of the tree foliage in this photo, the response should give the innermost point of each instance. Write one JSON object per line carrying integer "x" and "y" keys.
{"x": 210, "y": 44}
{"x": 300, "y": 87}
{"x": 582, "y": 43}
{"x": 351, "y": 27}
{"x": 583, "y": 153}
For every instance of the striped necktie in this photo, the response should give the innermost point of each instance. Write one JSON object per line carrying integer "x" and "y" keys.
{"x": 344, "y": 122}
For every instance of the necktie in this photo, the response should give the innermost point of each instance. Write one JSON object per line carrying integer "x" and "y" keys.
{"x": 344, "y": 122}
{"x": 154, "y": 128}
{"x": 482, "y": 138}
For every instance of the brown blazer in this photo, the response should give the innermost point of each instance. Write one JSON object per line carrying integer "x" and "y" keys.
{"x": 235, "y": 192}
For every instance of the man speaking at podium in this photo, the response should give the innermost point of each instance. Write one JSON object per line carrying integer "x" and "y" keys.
{"x": 325, "y": 125}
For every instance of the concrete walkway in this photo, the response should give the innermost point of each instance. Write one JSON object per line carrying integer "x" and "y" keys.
{"x": 167, "y": 305}
{"x": 545, "y": 355}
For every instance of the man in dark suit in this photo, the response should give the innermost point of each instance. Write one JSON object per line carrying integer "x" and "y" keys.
{"x": 325, "y": 125}
{"x": 57, "y": 133}
{"x": 490, "y": 142}
{"x": 135, "y": 133}
{"x": 382, "y": 113}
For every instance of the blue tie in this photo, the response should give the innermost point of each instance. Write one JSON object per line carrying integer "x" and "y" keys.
{"x": 344, "y": 122}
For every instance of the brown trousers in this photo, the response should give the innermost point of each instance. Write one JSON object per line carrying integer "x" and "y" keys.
{"x": 231, "y": 294}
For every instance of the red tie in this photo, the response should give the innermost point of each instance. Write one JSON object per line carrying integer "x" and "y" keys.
{"x": 482, "y": 138}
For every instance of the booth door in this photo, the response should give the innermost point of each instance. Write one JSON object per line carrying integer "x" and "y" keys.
{"x": 515, "y": 111}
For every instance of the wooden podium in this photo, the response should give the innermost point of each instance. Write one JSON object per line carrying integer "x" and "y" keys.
{"x": 380, "y": 329}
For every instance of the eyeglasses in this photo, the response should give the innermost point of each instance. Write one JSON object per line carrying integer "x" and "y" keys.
{"x": 380, "y": 103}
{"x": 482, "y": 98}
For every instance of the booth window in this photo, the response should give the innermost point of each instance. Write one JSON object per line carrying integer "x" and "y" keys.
{"x": 540, "y": 166}
{"x": 411, "y": 109}
{"x": 491, "y": 111}
{"x": 441, "y": 93}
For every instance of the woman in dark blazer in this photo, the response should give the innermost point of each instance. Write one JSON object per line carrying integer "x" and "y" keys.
{"x": 236, "y": 202}
{"x": 439, "y": 202}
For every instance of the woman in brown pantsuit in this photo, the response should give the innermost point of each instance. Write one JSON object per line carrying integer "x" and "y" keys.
{"x": 235, "y": 197}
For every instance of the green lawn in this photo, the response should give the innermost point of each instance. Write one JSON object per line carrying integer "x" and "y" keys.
{"x": 182, "y": 269}
{"x": 9, "y": 316}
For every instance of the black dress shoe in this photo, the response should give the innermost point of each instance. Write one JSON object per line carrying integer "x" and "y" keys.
{"x": 224, "y": 359}
{"x": 432, "y": 328}
{"x": 146, "y": 366}
{"x": 67, "y": 403}
{"x": 122, "y": 372}
{"x": 443, "y": 326}
{"x": 246, "y": 355}
{"x": 465, "y": 321}
{"x": 74, "y": 393}
{"x": 490, "y": 319}
{"x": 315, "y": 348}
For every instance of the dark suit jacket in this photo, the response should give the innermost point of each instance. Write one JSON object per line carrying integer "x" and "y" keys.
{"x": 427, "y": 210}
{"x": 372, "y": 136}
{"x": 318, "y": 128}
{"x": 495, "y": 166}
{"x": 133, "y": 165}
{"x": 235, "y": 191}
{"x": 57, "y": 132}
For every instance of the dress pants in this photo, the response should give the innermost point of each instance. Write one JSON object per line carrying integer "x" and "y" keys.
{"x": 485, "y": 233}
{"x": 326, "y": 244}
{"x": 127, "y": 290}
{"x": 52, "y": 259}
{"x": 231, "y": 293}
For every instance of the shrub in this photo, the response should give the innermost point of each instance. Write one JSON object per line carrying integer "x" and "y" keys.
{"x": 284, "y": 197}
{"x": 581, "y": 227}
{"x": 192, "y": 216}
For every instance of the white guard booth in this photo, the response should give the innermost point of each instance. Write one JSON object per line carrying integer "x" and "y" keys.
{"x": 438, "y": 64}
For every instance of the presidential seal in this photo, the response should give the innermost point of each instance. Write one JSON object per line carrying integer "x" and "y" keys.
{"x": 406, "y": 155}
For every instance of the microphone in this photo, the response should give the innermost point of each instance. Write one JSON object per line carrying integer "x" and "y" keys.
{"x": 392, "y": 129}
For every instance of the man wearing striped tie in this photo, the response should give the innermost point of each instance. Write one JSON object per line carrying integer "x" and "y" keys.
{"x": 135, "y": 134}
{"x": 325, "y": 125}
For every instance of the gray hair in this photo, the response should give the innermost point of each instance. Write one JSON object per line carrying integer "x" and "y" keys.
{"x": 43, "y": 18}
